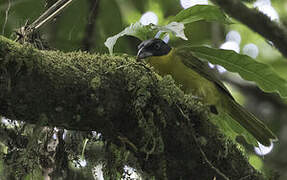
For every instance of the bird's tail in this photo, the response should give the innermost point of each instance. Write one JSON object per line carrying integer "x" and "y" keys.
{"x": 247, "y": 120}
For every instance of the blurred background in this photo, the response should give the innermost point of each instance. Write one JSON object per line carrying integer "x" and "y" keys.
{"x": 86, "y": 24}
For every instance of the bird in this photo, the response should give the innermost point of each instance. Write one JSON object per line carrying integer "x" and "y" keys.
{"x": 194, "y": 76}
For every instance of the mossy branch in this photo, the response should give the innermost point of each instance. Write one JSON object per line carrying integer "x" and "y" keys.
{"x": 168, "y": 132}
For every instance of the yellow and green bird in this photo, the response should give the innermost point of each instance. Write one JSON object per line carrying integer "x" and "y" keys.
{"x": 194, "y": 76}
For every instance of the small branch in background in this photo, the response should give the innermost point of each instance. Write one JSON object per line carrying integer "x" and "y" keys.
{"x": 6, "y": 16}
{"x": 88, "y": 40}
{"x": 48, "y": 15}
{"x": 49, "y": 3}
{"x": 256, "y": 21}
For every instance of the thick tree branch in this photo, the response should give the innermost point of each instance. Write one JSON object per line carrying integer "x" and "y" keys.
{"x": 167, "y": 131}
{"x": 256, "y": 21}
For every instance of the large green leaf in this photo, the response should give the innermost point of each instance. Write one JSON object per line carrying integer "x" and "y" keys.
{"x": 175, "y": 27}
{"x": 137, "y": 29}
{"x": 249, "y": 69}
{"x": 201, "y": 12}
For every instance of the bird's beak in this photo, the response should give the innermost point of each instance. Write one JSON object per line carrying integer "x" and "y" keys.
{"x": 142, "y": 53}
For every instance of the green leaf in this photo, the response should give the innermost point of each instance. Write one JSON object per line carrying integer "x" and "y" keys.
{"x": 201, "y": 12}
{"x": 144, "y": 32}
{"x": 249, "y": 69}
{"x": 137, "y": 29}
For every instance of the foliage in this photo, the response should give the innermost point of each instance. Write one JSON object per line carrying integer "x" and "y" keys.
{"x": 201, "y": 12}
{"x": 68, "y": 30}
{"x": 249, "y": 69}
{"x": 146, "y": 32}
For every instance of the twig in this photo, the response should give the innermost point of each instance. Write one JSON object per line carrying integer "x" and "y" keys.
{"x": 200, "y": 149}
{"x": 49, "y": 14}
{"x": 6, "y": 16}
{"x": 245, "y": 177}
{"x": 125, "y": 140}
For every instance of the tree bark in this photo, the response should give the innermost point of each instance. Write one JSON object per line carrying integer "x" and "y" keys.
{"x": 167, "y": 131}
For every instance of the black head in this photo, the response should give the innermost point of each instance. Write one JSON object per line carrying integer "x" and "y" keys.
{"x": 152, "y": 47}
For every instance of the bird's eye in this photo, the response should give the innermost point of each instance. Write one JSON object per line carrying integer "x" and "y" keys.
{"x": 157, "y": 46}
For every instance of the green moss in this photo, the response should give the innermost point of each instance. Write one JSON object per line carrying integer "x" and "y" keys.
{"x": 96, "y": 82}
{"x": 77, "y": 117}
{"x": 43, "y": 119}
{"x": 100, "y": 110}
{"x": 202, "y": 140}
{"x": 116, "y": 158}
{"x": 59, "y": 109}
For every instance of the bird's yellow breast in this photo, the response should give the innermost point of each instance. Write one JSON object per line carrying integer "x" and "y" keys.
{"x": 189, "y": 80}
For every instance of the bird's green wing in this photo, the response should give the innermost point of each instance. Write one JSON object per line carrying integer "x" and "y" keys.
{"x": 252, "y": 125}
{"x": 200, "y": 67}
